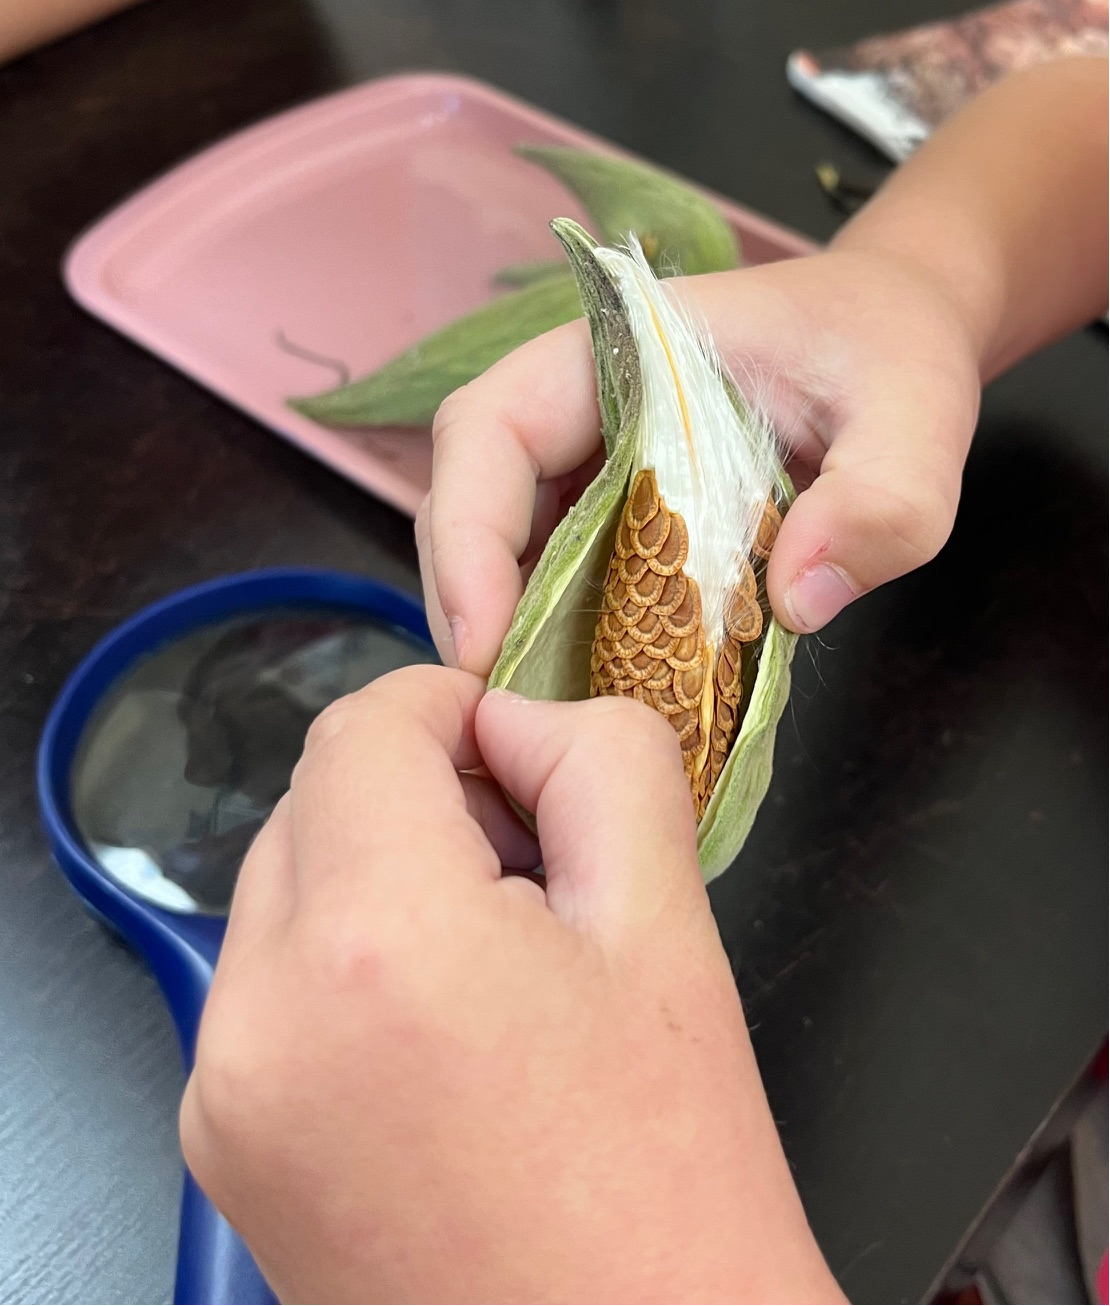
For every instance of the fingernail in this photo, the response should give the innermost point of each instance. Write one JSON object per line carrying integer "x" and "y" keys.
{"x": 817, "y": 594}
{"x": 459, "y": 636}
{"x": 507, "y": 696}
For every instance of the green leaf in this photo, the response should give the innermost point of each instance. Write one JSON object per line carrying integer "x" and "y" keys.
{"x": 408, "y": 389}
{"x": 524, "y": 274}
{"x": 679, "y": 230}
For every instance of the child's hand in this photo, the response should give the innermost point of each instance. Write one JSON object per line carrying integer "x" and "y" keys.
{"x": 987, "y": 244}
{"x": 867, "y": 368}
{"x": 420, "y": 1080}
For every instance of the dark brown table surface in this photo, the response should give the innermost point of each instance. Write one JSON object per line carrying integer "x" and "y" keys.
{"x": 918, "y": 924}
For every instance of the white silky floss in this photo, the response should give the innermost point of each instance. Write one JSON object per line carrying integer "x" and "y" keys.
{"x": 713, "y": 464}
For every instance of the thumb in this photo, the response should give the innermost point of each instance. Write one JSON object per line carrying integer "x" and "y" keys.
{"x": 881, "y": 506}
{"x": 613, "y": 809}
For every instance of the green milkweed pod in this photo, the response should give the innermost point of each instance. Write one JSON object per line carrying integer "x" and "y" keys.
{"x": 653, "y": 586}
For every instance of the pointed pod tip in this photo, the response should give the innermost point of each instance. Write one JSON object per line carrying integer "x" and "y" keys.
{"x": 322, "y": 409}
{"x": 546, "y": 155}
{"x": 572, "y": 234}
{"x": 326, "y": 407}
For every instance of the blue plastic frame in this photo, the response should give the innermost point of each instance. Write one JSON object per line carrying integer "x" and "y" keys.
{"x": 213, "y": 1266}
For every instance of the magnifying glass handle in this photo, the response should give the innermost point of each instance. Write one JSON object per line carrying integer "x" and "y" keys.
{"x": 214, "y": 1267}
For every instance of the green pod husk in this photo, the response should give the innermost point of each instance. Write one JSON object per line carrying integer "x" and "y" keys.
{"x": 679, "y": 230}
{"x": 408, "y": 389}
{"x": 546, "y": 653}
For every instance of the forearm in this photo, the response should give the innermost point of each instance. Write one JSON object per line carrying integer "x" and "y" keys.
{"x": 1006, "y": 208}
{"x": 26, "y": 24}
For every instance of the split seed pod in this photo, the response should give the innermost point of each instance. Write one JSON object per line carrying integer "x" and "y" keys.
{"x": 653, "y": 585}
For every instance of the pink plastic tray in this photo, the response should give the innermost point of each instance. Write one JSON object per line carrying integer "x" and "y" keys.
{"x": 349, "y": 227}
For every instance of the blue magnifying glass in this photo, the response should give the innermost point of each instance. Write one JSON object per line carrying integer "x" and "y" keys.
{"x": 163, "y": 756}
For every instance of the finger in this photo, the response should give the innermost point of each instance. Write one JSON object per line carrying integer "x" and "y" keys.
{"x": 376, "y": 796}
{"x": 612, "y": 804}
{"x": 516, "y": 846}
{"x": 533, "y": 416}
{"x": 437, "y": 620}
{"x": 883, "y": 504}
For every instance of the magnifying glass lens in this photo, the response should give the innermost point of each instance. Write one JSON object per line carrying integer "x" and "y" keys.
{"x": 184, "y": 759}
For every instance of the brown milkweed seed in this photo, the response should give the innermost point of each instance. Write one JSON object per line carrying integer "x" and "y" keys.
{"x": 651, "y": 641}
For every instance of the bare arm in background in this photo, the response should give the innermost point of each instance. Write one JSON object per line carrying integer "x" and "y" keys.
{"x": 1006, "y": 209}
{"x": 27, "y": 24}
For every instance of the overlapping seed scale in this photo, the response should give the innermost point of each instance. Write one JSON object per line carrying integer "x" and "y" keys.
{"x": 721, "y": 736}
{"x": 744, "y": 616}
{"x": 649, "y": 642}
{"x": 768, "y": 531}
{"x": 728, "y": 673}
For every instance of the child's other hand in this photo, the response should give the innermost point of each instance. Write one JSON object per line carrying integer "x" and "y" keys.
{"x": 985, "y": 245}
{"x": 869, "y": 373}
{"x": 419, "y": 1079}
